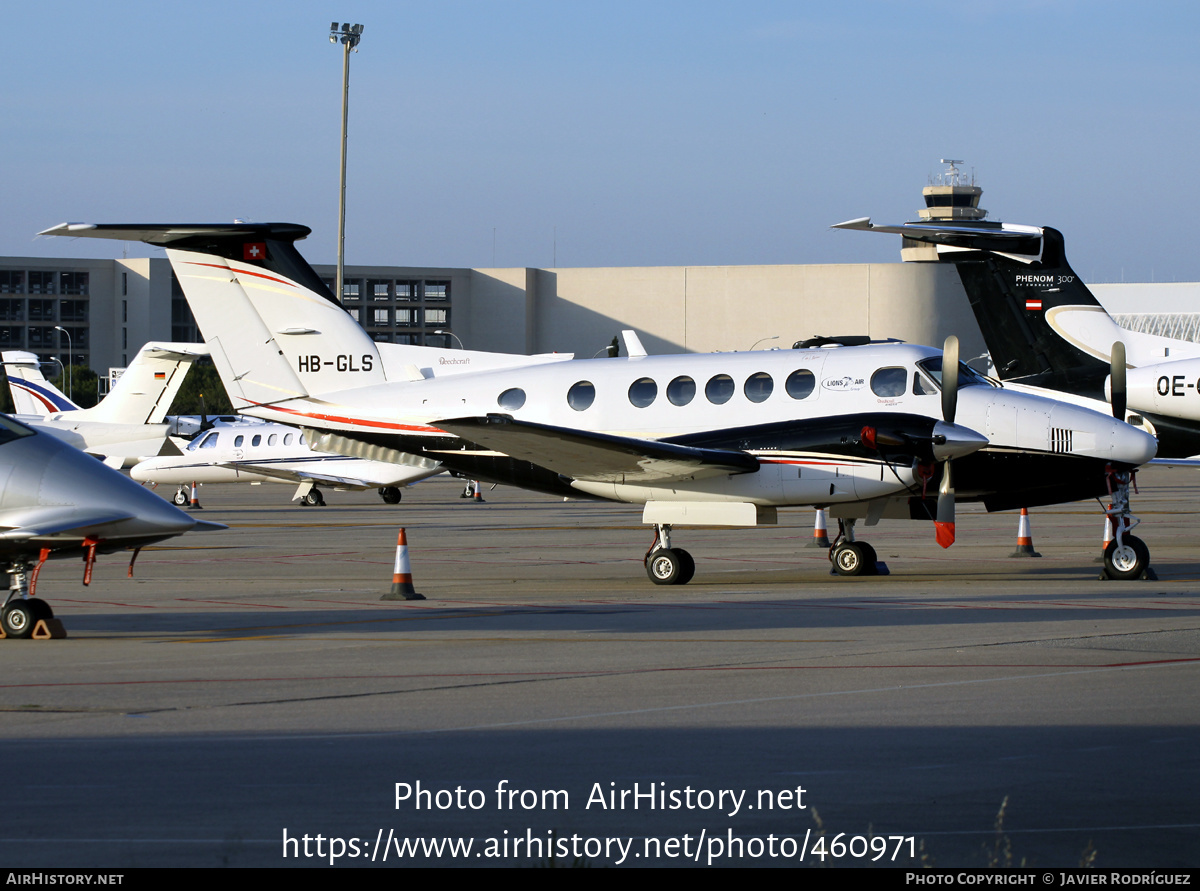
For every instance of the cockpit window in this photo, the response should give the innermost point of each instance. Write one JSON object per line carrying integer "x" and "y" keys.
{"x": 922, "y": 386}
{"x": 208, "y": 442}
{"x": 967, "y": 376}
{"x": 889, "y": 381}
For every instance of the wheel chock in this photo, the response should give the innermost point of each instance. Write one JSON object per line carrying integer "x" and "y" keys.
{"x": 48, "y": 629}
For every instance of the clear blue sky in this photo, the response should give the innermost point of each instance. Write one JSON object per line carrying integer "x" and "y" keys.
{"x": 647, "y": 133}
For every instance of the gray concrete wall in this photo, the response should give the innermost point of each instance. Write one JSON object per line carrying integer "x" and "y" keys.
{"x": 708, "y": 308}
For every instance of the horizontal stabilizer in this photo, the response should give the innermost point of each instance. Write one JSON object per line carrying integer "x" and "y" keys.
{"x": 1002, "y": 238}
{"x": 598, "y": 457}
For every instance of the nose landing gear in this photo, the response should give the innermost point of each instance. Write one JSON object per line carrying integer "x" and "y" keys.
{"x": 1126, "y": 556}
{"x": 22, "y": 615}
{"x": 850, "y": 557}
{"x": 666, "y": 565}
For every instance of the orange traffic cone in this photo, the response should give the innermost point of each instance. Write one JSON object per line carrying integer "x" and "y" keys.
{"x": 1108, "y": 536}
{"x": 479, "y": 493}
{"x": 402, "y": 585}
{"x": 1024, "y": 538}
{"x": 195, "y": 504}
{"x": 820, "y": 537}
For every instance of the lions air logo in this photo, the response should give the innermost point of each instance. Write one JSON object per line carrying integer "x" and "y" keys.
{"x": 844, "y": 384}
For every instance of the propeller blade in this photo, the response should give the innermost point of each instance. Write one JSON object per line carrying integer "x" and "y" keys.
{"x": 1117, "y": 385}
{"x": 950, "y": 379}
{"x": 944, "y": 524}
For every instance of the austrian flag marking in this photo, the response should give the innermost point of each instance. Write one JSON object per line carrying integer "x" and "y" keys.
{"x": 1033, "y": 304}
{"x": 254, "y": 250}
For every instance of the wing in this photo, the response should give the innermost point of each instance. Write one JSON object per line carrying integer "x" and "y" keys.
{"x": 39, "y": 522}
{"x": 295, "y": 476}
{"x": 598, "y": 457}
{"x": 402, "y": 476}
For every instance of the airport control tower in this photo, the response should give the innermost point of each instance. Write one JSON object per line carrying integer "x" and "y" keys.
{"x": 950, "y": 195}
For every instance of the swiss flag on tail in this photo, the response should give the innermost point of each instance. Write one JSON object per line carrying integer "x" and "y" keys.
{"x": 254, "y": 250}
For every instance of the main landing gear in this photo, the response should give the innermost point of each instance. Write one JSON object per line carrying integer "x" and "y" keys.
{"x": 1126, "y": 556}
{"x": 850, "y": 557}
{"x": 667, "y": 565}
{"x": 390, "y": 494}
{"x": 313, "y": 498}
{"x": 21, "y": 613}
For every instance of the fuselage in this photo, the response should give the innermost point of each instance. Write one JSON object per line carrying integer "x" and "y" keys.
{"x": 728, "y": 399}
{"x": 273, "y": 453}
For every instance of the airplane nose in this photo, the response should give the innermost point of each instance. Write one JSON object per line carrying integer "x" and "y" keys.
{"x": 958, "y": 440}
{"x": 142, "y": 470}
{"x": 1131, "y": 445}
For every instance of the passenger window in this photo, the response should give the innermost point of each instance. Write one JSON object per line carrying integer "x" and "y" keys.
{"x": 581, "y": 395}
{"x": 681, "y": 391}
{"x": 719, "y": 389}
{"x": 287, "y": 439}
{"x": 257, "y": 441}
{"x": 271, "y": 440}
{"x": 758, "y": 387}
{"x": 511, "y": 399}
{"x": 642, "y": 392}
{"x": 800, "y": 383}
{"x": 300, "y": 441}
{"x": 889, "y": 382}
{"x": 238, "y": 440}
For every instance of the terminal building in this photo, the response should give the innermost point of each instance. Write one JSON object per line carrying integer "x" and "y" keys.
{"x": 99, "y": 312}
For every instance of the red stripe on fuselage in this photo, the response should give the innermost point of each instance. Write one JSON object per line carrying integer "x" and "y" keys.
{"x": 337, "y": 419}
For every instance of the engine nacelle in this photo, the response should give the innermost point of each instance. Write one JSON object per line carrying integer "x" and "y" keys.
{"x": 1168, "y": 388}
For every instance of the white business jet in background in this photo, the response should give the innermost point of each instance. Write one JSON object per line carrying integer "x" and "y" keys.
{"x": 274, "y": 453}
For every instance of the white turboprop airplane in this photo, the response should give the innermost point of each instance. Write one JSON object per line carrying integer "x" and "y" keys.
{"x": 128, "y": 423}
{"x": 274, "y": 453}
{"x": 700, "y": 440}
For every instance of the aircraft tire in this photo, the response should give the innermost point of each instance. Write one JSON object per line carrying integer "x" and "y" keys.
{"x": 180, "y": 498}
{"x": 688, "y": 567}
{"x": 850, "y": 559}
{"x": 314, "y": 498}
{"x": 870, "y": 558}
{"x": 19, "y": 617}
{"x": 390, "y": 494}
{"x": 1128, "y": 561}
{"x": 664, "y": 567}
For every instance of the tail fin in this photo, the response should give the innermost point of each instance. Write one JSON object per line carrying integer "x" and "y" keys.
{"x": 144, "y": 393}
{"x": 31, "y": 393}
{"x": 274, "y": 330}
{"x": 1042, "y": 325}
